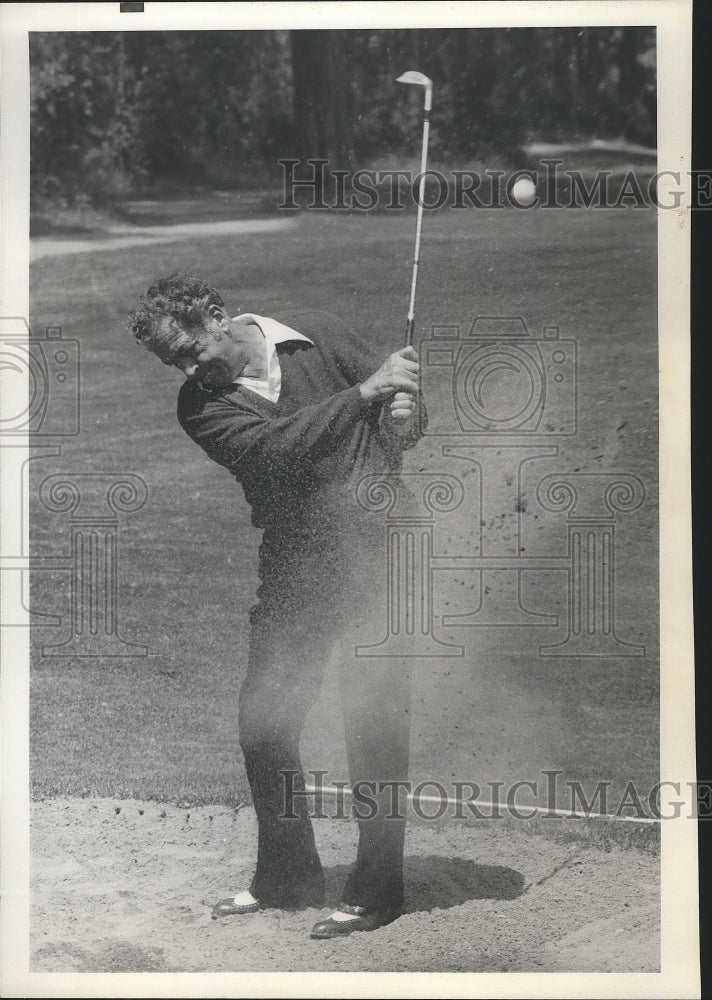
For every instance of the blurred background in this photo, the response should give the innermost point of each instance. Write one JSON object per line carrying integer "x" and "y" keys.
{"x": 118, "y": 114}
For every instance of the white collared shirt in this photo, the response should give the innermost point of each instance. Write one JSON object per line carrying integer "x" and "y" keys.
{"x": 274, "y": 333}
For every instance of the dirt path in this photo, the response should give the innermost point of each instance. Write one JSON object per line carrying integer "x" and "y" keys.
{"x": 126, "y": 886}
{"x": 122, "y": 237}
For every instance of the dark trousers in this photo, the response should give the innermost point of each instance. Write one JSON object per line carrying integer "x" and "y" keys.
{"x": 312, "y": 594}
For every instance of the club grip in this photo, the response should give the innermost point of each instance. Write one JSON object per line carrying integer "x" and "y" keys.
{"x": 409, "y": 330}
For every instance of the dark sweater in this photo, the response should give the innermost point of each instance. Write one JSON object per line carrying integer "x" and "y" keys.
{"x": 299, "y": 459}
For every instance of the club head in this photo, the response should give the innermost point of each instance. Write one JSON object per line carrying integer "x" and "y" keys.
{"x": 419, "y": 80}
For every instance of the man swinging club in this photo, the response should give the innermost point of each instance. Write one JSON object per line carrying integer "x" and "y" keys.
{"x": 299, "y": 412}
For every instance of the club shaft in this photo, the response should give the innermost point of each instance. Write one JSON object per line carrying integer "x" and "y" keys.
{"x": 410, "y": 325}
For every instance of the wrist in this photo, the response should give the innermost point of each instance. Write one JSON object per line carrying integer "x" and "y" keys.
{"x": 366, "y": 394}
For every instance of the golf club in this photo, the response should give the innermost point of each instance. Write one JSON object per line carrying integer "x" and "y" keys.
{"x": 419, "y": 80}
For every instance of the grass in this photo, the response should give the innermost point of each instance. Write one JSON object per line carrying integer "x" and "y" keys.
{"x": 164, "y": 727}
{"x": 602, "y": 835}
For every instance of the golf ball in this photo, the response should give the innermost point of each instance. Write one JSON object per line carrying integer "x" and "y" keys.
{"x": 523, "y": 191}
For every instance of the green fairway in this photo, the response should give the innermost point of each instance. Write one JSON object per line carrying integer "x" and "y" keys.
{"x": 164, "y": 726}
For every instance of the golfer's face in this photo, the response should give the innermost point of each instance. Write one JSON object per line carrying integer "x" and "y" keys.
{"x": 197, "y": 353}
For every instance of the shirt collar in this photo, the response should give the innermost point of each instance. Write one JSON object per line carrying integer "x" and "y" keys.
{"x": 274, "y": 332}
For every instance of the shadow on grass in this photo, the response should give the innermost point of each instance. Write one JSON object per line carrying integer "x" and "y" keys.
{"x": 436, "y": 883}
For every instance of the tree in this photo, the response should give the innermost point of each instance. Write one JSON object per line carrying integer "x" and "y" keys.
{"x": 84, "y": 116}
{"x": 323, "y": 108}
{"x": 114, "y": 112}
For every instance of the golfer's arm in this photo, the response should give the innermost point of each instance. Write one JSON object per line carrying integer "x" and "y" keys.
{"x": 349, "y": 352}
{"x": 242, "y": 440}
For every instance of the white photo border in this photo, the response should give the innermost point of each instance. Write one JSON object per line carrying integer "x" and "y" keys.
{"x": 679, "y": 975}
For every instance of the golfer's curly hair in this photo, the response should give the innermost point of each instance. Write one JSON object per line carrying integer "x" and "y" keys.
{"x": 182, "y": 296}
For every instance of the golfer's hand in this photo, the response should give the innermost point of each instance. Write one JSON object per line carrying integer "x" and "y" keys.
{"x": 397, "y": 374}
{"x": 403, "y": 406}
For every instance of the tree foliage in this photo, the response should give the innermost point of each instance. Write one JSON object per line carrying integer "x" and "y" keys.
{"x": 113, "y": 112}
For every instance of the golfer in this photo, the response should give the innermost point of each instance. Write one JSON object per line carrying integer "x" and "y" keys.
{"x": 299, "y": 412}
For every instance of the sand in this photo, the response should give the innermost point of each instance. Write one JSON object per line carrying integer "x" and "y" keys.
{"x": 127, "y": 886}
